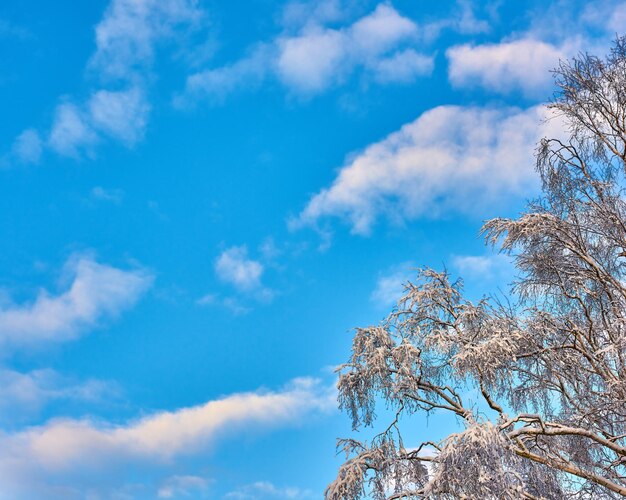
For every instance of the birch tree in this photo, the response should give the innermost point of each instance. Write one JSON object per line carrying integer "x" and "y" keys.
{"x": 549, "y": 365}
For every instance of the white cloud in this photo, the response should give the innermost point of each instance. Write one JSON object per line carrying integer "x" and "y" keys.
{"x": 97, "y": 291}
{"x": 217, "y": 83}
{"x": 390, "y": 286}
{"x": 128, "y": 32}
{"x": 450, "y": 158}
{"x": 299, "y": 13}
{"x": 177, "y": 486}
{"x": 71, "y": 131}
{"x": 310, "y": 62}
{"x": 508, "y": 66}
{"x": 27, "y": 147}
{"x": 493, "y": 269}
{"x": 467, "y": 23}
{"x": 233, "y": 266}
{"x": 267, "y": 490}
{"x": 120, "y": 114}
{"x": 485, "y": 274}
{"x": 111, "y": 195}
{"x": 380, "y": 31}
{"x": 402, "y": 67}
{"x": 317, "y": 57}
{"x": 320, "y": 57}
{"x": 481, "y": 265}
{"x": 207, "y": 300}
{"x": 78, "y": 452}
{"x": 24, "y": 395}
{"x": 127, "y": 37}
{"x": 232, "y": 304}
{"x": 523, "y": 61}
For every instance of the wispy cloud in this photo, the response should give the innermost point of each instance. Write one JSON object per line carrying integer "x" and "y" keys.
{"x": 97, "y": 291}
{"x": 71, "y": 131}
{"x": 267, "y": 490}
{"x": 298, "y": 13}
{"x": 130, "y": 30}
{"x": 485, "y": 274}
{"x": 43, "y": 457}
{"x": 482, "y": 266}
{"x": 120, "y": 114}
{"x": 99, "y": 193}
{"x": 402, "y": 67}
{"x": 27, "y": 147}
{"x": 381, "y": 44}
{"x": 11, "y": 30}
{"x": 455, "y": 158}
{"x": 184, "y": 486}
{"x": 390, "y": 285}
{"x": 117, "y": 106}
{"x": 24, "y": 395}
{"x": 231, "y": 304}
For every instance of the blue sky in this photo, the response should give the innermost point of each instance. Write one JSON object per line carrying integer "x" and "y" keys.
{"x": 200, "y": 200}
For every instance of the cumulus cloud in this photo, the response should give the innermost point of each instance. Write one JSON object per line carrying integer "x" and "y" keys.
{"x": 318, "y": 57}
{"x": 522, "y": 62}
{"x": 235, "y": 267}
{"x": 267, "y": 490}
{"x": 520, "y": 65}
{"x": 78, "y": 451}
{"x": 456, "y": 158}
{"x": 97, "y": 291}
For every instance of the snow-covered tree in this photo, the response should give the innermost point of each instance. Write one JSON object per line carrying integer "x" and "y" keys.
{"x": 549, "y": 364}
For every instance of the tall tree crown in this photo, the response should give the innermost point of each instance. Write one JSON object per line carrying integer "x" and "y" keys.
{"x": 550, "y": 368}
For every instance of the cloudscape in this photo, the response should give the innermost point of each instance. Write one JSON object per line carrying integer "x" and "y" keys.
{"x": 201, "y": 200}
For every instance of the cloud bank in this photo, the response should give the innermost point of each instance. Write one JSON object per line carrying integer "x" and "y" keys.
{"x": 78, "y": 452}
